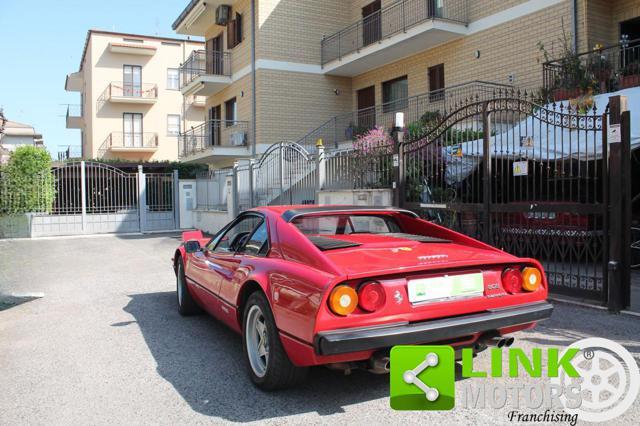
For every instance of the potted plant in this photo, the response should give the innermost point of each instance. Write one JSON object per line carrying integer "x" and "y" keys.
{"x": 571, "y": 78}
{"x": 630, "y": 75}
{"x": 600, "y": 67}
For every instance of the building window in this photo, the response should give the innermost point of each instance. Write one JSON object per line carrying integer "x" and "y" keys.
{"x": 230, "y": 112}
{"x": 234, "y": 31}
{"x": 394, "y": 94}
{"x": 173, "y": 124}
{"x": 173, "y": 79}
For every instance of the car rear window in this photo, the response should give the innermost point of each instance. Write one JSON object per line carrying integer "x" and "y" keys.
{"x": 345, "y": 224}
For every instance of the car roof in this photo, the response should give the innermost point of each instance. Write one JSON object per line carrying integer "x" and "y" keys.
{"x": 288, "y": 213}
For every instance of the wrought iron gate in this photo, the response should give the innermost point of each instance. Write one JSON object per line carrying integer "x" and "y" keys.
{"x": 285, "y": 174}
{"x": 523, "y": 177}
{"x": 93, "y": 198}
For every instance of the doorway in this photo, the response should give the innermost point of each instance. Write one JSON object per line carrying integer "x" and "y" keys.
{"x": 215, "y": 117}
{"x": 436, "y": 83}
{"x": 213, "y": 48}
{"x": 366, "y": 107}
{"x": 132, "y": 129}
{"x": 132, "y": 80}
{"x": 371, "y": 23}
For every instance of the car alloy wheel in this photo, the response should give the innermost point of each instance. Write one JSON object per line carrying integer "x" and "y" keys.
{"x": 257, "y": 340}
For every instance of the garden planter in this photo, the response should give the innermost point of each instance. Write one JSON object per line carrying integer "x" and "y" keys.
{"x": 564, "y": 94}
{"x": 469, "y": 223}
{"x": 627, "y": 81}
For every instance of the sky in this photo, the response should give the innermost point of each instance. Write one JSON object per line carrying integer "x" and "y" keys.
{"x": 41, "y": 42}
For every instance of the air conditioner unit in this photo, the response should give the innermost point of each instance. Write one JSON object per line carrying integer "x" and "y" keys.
{"x": 222, "y": 14}
{"x": 238, "y": 139}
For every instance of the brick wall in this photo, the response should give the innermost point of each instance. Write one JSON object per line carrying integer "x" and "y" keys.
{"x": 241, "y": 54}
{"x": 291, "y": 30}
{"x": 290, "y": 104}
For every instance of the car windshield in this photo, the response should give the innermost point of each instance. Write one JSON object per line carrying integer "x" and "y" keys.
{"x": 341, "y": 224}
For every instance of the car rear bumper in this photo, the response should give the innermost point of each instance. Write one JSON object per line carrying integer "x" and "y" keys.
{"x": 361, "y": 339}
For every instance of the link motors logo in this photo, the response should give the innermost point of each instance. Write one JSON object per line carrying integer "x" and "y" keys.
{"x": 595, "y": 380}
{"x": 609, "y": 379}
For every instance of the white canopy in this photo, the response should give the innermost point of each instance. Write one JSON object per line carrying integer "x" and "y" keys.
{"x": 532, "y": 139}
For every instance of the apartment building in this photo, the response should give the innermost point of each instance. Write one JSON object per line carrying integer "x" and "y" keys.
{"x": 14, "y": 135}
{"x": 274, "y": 70}
{"x": 130, "y": 106}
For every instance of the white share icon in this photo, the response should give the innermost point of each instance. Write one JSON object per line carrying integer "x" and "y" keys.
{"x": 411, "y": 376}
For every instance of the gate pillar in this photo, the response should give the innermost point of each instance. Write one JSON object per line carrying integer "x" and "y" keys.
{"x": 619, "y": 145}
{"x": 142, "y": 198}
{"x": 176, "y": 200}
{"x": 83, "y": 196}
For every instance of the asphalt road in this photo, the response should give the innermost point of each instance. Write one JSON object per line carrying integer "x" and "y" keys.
{"x": 105, "y": 345}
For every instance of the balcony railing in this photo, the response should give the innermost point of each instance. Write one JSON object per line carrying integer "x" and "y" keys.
{"x": 195, "y": 100}
{"x": 212, "y": 133}
{"x": 419, "y": 111}
{"x": 391, "y": 20}
{"x": 201, "y": 62}
{"x": 601, "y": 70}
{"x": 130, "y": 141}
{"x": 70, "y": 152}
{"x": 74, "y": 110}
{"x": 119, "y": 89}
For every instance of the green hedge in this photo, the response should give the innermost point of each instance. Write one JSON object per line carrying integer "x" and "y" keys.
{"x": 185, "y": 170}
{"x": 26, "y": 182}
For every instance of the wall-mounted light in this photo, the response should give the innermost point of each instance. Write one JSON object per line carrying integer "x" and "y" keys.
{"x": 242, "y": 93}
{"x": 337, "y": 91}
{"x": 476, "y": 54}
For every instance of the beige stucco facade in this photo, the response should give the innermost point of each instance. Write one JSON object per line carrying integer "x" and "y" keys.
{"x": 111, "y": 102}
{"x": 296, "y": 92}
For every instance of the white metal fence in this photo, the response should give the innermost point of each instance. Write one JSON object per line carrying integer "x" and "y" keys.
{"x": 288, "y": 174}
{"x": 91, "y": 198}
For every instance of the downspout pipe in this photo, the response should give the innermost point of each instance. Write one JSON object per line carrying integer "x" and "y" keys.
{"x": 574, "y": 23}
{"x": 253, "y": 77}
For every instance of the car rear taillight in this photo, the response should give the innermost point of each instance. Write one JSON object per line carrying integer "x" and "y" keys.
{"x": 512, "y": 280}
{"x": 343, "y": 300}
{"x": 371, "y": 296}
{"x": 531, "y": 278}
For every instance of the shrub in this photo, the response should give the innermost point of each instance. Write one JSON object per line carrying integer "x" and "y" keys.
{"x": 26, "y": 182}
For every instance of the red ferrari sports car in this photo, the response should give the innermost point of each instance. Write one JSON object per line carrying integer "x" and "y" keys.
{"x": 339, "y": 286}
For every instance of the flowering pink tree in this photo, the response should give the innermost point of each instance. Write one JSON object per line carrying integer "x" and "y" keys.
{"x": 375, "y": 141}
{"x": 373, "y": 159}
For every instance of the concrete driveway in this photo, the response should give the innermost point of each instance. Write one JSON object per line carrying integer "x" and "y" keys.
{"x": 105, "y": 345}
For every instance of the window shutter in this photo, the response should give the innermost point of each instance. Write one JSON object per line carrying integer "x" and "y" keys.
{"x": 231, "y": 34}
{"x": 238, "y": 29}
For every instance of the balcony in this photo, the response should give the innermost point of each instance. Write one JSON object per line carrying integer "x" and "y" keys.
{"x": 130, "y": 142}
{"x": 75, "y": 119}
{"x": 195, "y": 101}
{"x": 199, "y": 17}
{"x": 402, "y": 29}
{"x": 71, "y": 152}
{"x": 205, "y": 73}
{"x": 74, "y": 82}
{"x": 132, "y": 49}
{"x": 215, "y": 138}
{"x": 119, "y": 92}
{"x": 602, "y": 70}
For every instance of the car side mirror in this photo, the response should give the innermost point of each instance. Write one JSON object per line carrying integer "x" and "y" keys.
{"x": 192, "y": 246}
